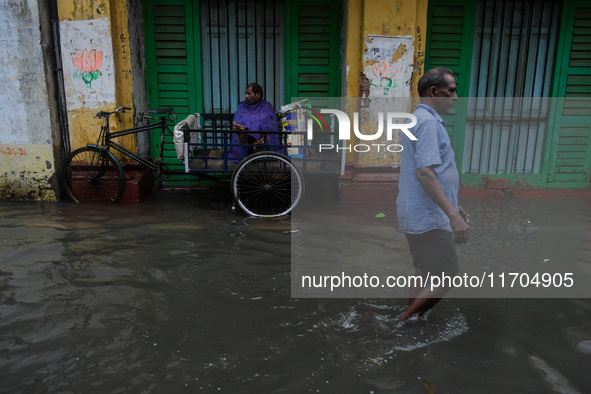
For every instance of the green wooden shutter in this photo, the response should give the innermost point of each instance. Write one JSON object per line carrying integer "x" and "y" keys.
{"x": 450, "y": 38}
{"x": 313, "y": 29}
{"x": 172, "y": 62}
{"x": 574, "y": 75}
{"x": 570, "y": 145}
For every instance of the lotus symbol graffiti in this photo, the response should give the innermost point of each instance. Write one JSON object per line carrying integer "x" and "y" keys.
{"x": 88, "y": 64}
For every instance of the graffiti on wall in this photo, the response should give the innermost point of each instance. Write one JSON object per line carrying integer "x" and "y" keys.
{"x": 13, "y": 151}
{"x": 388, "y": 64}
{"x": 89, "y": 70}
{"x": 88, "y": 64}
{"x": 384, "y": 76}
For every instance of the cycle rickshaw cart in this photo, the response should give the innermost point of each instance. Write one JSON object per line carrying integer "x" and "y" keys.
{"x": 267, "y": 182}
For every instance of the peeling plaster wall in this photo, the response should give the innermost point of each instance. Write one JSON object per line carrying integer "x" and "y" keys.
{"x": 385, "y": 58}
{"x": 388, "y": 62}
{"x": 388, "y": 68}
{"x": 95, "y": 86}
{"x": 26, "y": 145}
{"x": 98, "y": 33}
{"x": 89, "y": 75}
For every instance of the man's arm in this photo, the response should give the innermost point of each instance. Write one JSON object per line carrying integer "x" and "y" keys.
{"x": 428, "y": 179}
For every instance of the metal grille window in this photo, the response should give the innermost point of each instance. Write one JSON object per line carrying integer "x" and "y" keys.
{"x": 242, "y": 42}
{"x": 513, "y": 57}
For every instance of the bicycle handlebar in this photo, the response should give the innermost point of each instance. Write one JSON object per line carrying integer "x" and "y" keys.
{"x": 158, "y": 110}
{"x": 105, "y": 114}
{"x": 169, "y": 112}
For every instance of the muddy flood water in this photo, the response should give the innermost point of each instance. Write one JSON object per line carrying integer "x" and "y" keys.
{"x": 180, "y": 294}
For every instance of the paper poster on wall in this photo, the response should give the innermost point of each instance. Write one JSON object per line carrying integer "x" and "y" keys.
{"x": 87, "y": 57}
{"x": 388, "y": 64}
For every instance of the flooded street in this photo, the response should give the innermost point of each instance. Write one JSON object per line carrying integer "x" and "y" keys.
{"x": 180, "y": 294}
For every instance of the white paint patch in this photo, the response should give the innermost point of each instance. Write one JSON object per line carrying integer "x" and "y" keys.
{"x": 89, "y": 69}
{"x": 389, "y": 77}
{"x": 24, "y": 108}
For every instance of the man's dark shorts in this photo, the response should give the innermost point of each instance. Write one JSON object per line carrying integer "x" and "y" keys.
{"x": 434, "y": 252}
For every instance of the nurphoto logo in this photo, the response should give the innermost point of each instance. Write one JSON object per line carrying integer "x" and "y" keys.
{"x": 391, "y": 123}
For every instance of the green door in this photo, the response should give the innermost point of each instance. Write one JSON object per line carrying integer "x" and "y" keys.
{"x": 450, "y": 32}
{"x": 177, "y": 67}
{"x": 171, "y": 44}
{"x": 313, "y": 55}
{"x": 570, "y": 154}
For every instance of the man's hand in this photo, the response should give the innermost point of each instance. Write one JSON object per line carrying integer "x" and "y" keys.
{"x": 459, "y": 226}
{"x": 457, "y": 218}
{"x": 461, "y": 234}
{"x": 464, "y": 215}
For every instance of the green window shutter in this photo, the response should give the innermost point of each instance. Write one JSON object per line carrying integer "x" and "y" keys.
{"x": 450, "y": 38}
{"x": 571, "y": 141}
{"x": 171, "y": 48}
{"x": 573, "y": 76}
{"x": 313, "y": 49}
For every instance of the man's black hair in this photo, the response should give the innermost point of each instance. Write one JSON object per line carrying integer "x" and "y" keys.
{"x": 434, "y": 77}
{"x": 256, "y": 88}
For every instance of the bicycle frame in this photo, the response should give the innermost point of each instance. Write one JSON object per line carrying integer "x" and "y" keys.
{"x": 108, "y": 136}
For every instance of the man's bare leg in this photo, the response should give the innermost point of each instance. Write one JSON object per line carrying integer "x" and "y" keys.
{"x": 421, "y": 299}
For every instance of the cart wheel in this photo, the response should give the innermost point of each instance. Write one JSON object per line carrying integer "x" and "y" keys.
{"x": 92, "y": 174}
{"x": 266, "y": 184}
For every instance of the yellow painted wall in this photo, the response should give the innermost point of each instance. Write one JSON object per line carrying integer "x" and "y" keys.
{"x": 84, "y": 127}
{"x": 388, "y": 18}
{"x": 122, "y": 53}
{"x": 32, "y": 170}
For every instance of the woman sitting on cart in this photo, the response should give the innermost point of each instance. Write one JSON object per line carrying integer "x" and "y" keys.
{"x": 254, "y": 114}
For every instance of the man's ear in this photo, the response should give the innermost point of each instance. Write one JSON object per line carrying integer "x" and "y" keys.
{"x": 434, "y": 91}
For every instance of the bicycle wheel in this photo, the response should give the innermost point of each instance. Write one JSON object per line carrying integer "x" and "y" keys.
{"x": 266, "y": 184}
{"x": 92, "y": 174}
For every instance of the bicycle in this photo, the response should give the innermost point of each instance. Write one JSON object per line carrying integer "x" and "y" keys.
{"x": 94, "y": 173}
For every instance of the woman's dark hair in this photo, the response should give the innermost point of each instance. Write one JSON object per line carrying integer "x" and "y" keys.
{"x": 434, "y": 77}
{"x": 256, "y": 88}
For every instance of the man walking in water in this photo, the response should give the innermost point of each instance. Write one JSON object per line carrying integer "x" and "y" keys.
{"x": 428, "y": 210}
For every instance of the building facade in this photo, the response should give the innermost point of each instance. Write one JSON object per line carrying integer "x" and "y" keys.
{"x": 68, "y": 60}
